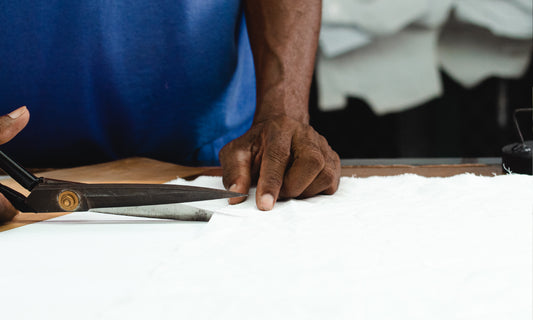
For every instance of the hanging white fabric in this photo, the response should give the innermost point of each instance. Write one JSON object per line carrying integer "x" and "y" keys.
{"x": 362, "y": 38}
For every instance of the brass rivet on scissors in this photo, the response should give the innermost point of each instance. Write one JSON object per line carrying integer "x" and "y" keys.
{"x": 68, "y": 200}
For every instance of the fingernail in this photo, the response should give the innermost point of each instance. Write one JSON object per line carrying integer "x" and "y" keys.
{"x": 236, "y": 200}
{"x": 232, "y": 188}
{"x": 267, "y": 202}
{"x": 17, "y": 113}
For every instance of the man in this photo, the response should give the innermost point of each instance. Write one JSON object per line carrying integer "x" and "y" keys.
{"x": 172, "y": 80}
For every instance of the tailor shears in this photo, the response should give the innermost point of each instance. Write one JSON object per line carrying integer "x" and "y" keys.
{"x": 50, "y": 195}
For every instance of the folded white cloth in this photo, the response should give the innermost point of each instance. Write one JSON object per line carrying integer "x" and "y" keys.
{"x": 358, "y": 43}
{"x": 367, "y": 52}
{"x": 391, "y": 73}
{"x": 436, "y": 14}
{"x": 378, "y": 17}
{"x": 336, "y": 40}
{"x": 505, "y": 18}
{"x": 471, "y": 54}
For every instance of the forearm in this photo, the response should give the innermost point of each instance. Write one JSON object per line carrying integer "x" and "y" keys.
{"x": 284, "y": 36}
{"x": 281, "y": 152}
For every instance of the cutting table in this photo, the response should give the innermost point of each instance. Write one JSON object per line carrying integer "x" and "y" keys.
{"x": 400, "y": 247}
{"x": 145, "y": 170}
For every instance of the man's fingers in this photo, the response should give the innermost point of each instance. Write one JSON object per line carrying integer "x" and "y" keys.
{"x": 324, "y": 183}
{"x": 7, "y": 211}
{"x": 274, "y": 161}
{"x": 236, "y": 167}
{"x": 308, "y": 163}
{"x": 12, "y": 123}
{"x": 287, "y": 159}
{"x": 327, "y": 182}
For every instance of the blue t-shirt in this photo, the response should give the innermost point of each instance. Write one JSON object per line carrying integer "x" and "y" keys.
{"x": 171, "y": 80}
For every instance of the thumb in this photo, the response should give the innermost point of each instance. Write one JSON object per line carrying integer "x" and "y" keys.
{"x": 236, "y": 168}
{"x": 7, "y": 211}
{"x": 12, "y": 123}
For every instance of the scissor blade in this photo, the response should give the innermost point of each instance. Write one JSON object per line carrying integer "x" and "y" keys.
{"x": 175, "y": 211}
{"x": 47, "y": 197}
{"x": 121, "y": 195}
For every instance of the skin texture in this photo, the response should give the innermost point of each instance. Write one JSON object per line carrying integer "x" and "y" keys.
{"x": 10, "y": 125}
{"x": 281, "y": 152}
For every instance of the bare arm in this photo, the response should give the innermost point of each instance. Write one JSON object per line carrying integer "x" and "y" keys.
{"x": 284, "y": 37}
{"x": 285, "y": 155}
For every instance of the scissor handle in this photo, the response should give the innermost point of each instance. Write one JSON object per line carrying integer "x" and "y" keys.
{"x": 17, "y": 172}
{"x": 18, "y": 200}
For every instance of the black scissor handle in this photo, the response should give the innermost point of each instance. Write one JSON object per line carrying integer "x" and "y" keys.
{"x": 18, "y": 173}
{"x": 18, "y": 200}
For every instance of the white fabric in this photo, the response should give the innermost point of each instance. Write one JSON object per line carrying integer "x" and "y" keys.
{"x": 395, "y": 71}
{"x": 506, "y": 18}
{"x": 403, "y": 247}
{"x": 391, "y": 73}
{"x": 336, "y": 40}
{"x": 378, "y": 17}
{"x": 351, "y": 65}
{"x": 437, "y": 13}
{"x": 471, "y": 54}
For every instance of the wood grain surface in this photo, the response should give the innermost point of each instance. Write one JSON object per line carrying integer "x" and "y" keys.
{"x": 144, "y": 170}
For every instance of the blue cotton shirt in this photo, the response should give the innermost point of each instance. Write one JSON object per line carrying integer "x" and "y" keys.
{"x": 171, "y": 80}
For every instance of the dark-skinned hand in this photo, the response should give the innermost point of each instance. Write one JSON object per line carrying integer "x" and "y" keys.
{"x": 10, "y": 125}
{"x": 285, "y": 157}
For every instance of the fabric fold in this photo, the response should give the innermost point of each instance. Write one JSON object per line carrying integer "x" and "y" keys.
{"x": 363, "y": 50}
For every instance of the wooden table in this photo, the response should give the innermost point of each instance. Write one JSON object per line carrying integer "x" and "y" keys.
{"x": 143, "y": 170}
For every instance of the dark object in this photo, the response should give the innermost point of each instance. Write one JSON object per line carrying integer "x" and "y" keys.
{"x": 518, "y": 157}
{"x": 50, "y": 195}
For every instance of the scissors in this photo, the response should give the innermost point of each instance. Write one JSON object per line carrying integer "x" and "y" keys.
{"x": 51, "y": 195}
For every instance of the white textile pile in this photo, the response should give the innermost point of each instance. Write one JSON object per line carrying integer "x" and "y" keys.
{"x": 389, "y": 52}
{"x": 403, "y": 247}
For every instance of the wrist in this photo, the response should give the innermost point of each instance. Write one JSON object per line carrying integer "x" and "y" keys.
{"x": 282, "y": 104}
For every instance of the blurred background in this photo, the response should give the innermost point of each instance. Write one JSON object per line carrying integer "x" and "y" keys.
{"x": 423, "y": 78}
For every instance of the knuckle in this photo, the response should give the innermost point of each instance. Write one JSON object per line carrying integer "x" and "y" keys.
{"x": 329, "y": 176}
{"x": 275, "y": 179}
{"x": 333, "y": 153}
{"x": 230, "y": 155}
{"x": 332, "y": 156}
{"x": 314, "y": 159}
{"x": 336, "y": 160}
{"x": 333, "y": 186}
{"x": 227, "y": 150}
{"x": 270, "y": 183}
{"x": 323, "y": 140}
{"x": 277, "y": 155}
